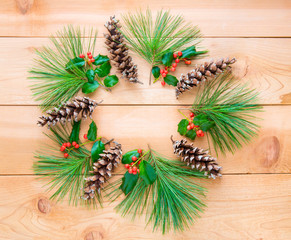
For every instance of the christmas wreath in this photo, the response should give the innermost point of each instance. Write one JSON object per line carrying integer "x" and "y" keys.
{"x": 166, "y": 190}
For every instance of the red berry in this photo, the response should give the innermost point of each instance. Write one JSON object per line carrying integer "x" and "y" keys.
{"x": 163, "y": 83}
{"x": 134, "y": 173}
{"x": 164, "y": 75}
{"x": 66, "y": 155}
{"x": 68, "y": 144}
{"x": 62, "y": 148}
{"x": 177, "y": 60}
{"x": 175, "y": 55}
{"x": 85, "y": 136}
{"x": 188, "y": 62}
{"x": 92, "y": 60}
{"x": 77, "y": 146}
{"x": 138, "y": 170}
{"x": 64, "y": 144}
{"x": 134, "y": 158}
{"x": 130, "y": 170}
{"x": 202, "y": 134}
{"x": 139, "y": 162}
{"x": 166, "y": 72}
{"x": 161, "y": 71}
{"x": 139, "y": 151}
{"x": 74, "y": 144}
{"x": 199, "y": 132}
{"x": 192, "y": 125}
{"x": 180, "y": 53}
{"x": 134, "y": 168}
{"x": 174, "y": 65}
{"x": 173, "y": 69}
{"x": 191, "y": 114}
{"x": 89, "y": 53}
{"x": 166, "y": 68}
{"x": 189, "y": 127}
{"x": 131, "y": 163}
{"x": 90, "y": 56}
{"x": 126, "y": 165}
{"x": 81, "y": 56}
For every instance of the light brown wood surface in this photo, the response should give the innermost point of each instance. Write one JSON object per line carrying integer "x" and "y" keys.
{"x": 253, "y": 198}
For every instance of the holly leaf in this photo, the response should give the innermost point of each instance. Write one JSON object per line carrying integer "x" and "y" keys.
{"x": 97, "y": 148}
{"x": 74, "y": 136}
{"x": 75, "y": 62}
{"x": 191, "y": 52}
{"x": 191, "y": 134}
{"x": 127, "y": 157}
{"x": 90, "y": 74}
{"x": 167, "y": 58}
{"x": 147, "y": 172}
{"x": 92, "y": 132}
{"x": 182, "y": 126}
{"x": 128, "y": 182}
{"x": 110, "y": 80}
{"x": 104, "y": 69}
{"x": 90, "y": 87}
{"x": 207, "y": 125}
{"x": 171, "y": 80}
{"x": 156, "y": 72}
{"x": 100, "y": 59}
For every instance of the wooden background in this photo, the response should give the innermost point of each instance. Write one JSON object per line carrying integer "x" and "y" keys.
{"x": 251, "y": 201}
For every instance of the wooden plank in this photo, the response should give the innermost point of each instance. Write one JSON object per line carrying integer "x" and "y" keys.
{"x": 137, "y": 126}
{"x": 215, "y": 18}
{"x": 239, "y": 207}
{"x": 263, "y": 63}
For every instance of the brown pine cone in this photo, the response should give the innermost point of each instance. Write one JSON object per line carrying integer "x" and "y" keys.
{"x": 202, "y": 73}
{"x": 119, "y": 51}
{"x": 102, "y": 171}
{"x": 78, "y": 108}
{"x": 197, "y": 158}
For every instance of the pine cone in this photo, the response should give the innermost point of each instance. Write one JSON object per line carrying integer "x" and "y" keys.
{"x": 71, "y": 110}
{"x": 197, "y": 158}
{"x": 102, "y": 170}
{"x": 202, "y": 73}
{"x": 119, "y": 51}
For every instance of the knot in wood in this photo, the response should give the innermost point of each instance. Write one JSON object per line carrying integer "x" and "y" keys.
{"x": 44, "y": 205}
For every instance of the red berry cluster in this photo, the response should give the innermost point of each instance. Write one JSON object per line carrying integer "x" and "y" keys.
{"x": 67, "y": 145}
{"x": 191, "y": 125}
{"x": 177, "y": 57}
{"x": 90, "y": 58}
{"x": 132, "y": 168}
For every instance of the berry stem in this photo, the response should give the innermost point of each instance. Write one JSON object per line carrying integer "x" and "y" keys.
{"x": 82, "y": 144}
{"x": 184, "y": 115}
{"x": 140, "y": 158}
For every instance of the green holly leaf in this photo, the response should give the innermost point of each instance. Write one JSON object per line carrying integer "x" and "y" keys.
{"x": 100, "y": 59}
{"x": 207, "y": 125}
{"x": 191, "y": 134}
{"x": 127, "y": 157}
{"x": 147, "y": 172}
{"x": 128, "y": 182}
{"x": 200, "y": 119}
{"x": 92, "y": 132}
{"x": 97, "y": 148}
{"x": 182, "y": 126}
{"x": 74, "y": 136}
{"x": 104, "y": 69}
{"x": 90, "y": 74}
{"x": 90, "y": 87}
{"x": 191, "y": 52}
{"x": 156, "y": 72}
{"x": 171, "y": 80}
{"x": 167, "y": 58}
{"x": 76, "y": 62}
{"x": 110, "y": 80}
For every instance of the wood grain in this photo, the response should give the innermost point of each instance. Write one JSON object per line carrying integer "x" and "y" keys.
{"x": 246, "y": 207}
{"x": 263, "y": 63}
{"x": 215, "y": 18}
{"x": 137, "y": 126}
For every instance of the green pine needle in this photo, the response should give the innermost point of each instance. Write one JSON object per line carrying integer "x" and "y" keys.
{"x": 65, "y": 175}
{"x": 54, "y": 84}
{"x": 152, "y": 38}
{"x": 173, "y": 201}
{"x": 230, "y": 104}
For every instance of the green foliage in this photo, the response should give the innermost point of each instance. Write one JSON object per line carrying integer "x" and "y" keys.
{"x": 182, "y": 126}
{"x": 191, "y": 52}
{"x": 90, "y": 87}
{"x": 152, "y": 38}
{"x": 96, "y": 150}
{"x": 168, "y": 58}
{"x": 65, "y": 175}
{"x": 110, "y": 80}
{"x": 128, "y": 182}
{"x": 173, "y": 201}
{"x": 92, "y": 132}
{"x": 104, "y": 69}
{"x": 127, "y": 157}
{"x": 74, "y": 136}
{"x": 224, "y": 107}
{"x": 156, "y": 72}
{"x": 171, "y": 80}
{"x": 100, "y": 59}
{"x": 147, "y": 172}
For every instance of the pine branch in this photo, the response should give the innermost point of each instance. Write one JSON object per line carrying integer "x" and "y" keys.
{"x": 65, "y": 175}
{"x": 54, "y": 84}
{"x": 173, "y": 201}
{"x": 152, "y": 38}
{"x": 230, "y": 105}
